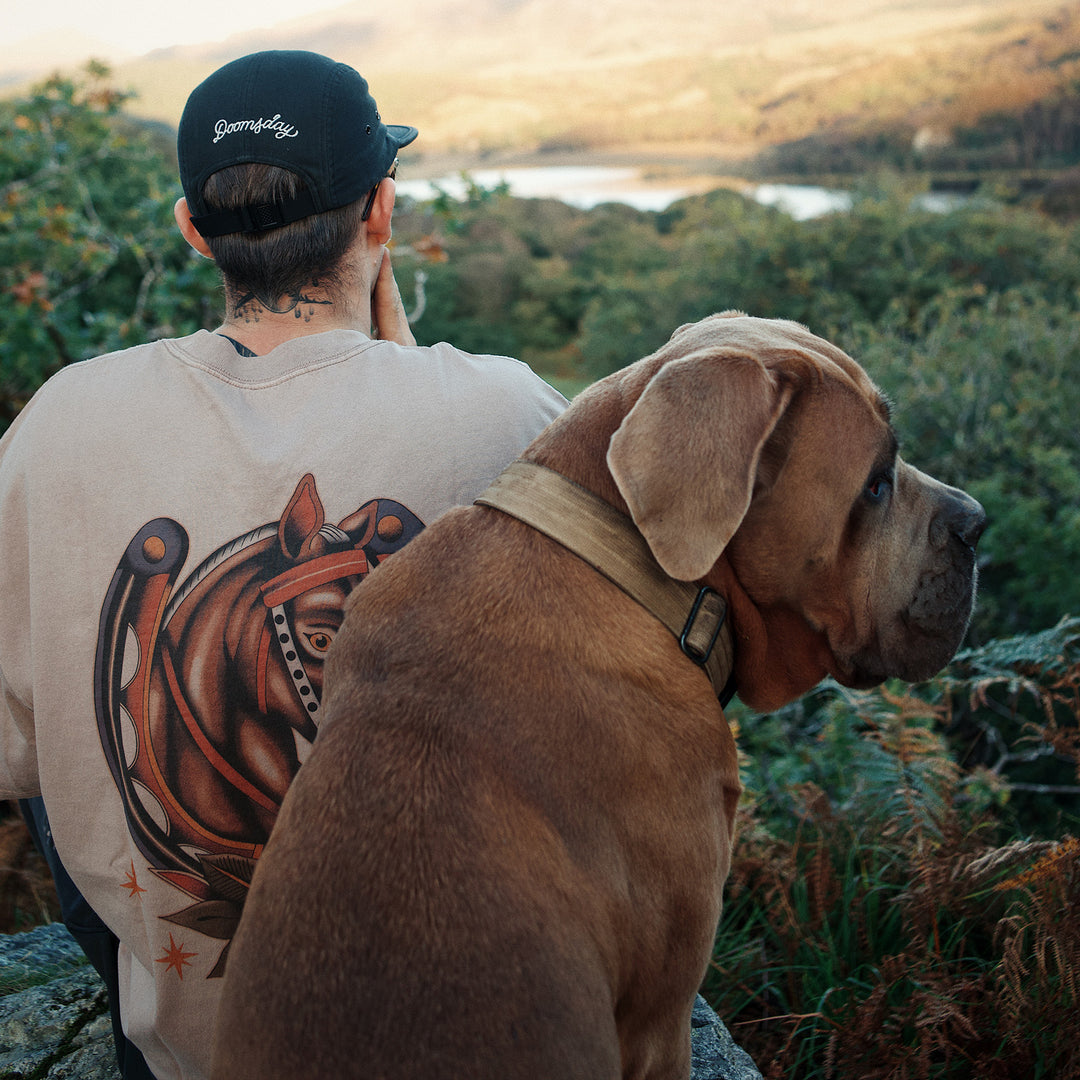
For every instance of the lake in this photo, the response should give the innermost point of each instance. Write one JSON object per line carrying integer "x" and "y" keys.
{"x": 583, "y": 186}
{"x": 586, "y": 186}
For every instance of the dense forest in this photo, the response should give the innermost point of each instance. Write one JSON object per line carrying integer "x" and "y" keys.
{"x": 968, "y": 320}
{"x": 906, "y": 885}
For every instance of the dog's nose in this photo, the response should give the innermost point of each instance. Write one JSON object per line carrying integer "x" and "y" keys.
{"x": 961, "y": 516}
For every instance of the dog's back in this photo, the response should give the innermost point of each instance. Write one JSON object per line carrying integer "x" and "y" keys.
{"x": 461, "y": 831}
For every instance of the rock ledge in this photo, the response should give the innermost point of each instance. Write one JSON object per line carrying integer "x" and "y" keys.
{"x": 54, "y": 1017}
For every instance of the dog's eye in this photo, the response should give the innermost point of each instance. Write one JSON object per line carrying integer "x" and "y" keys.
{"x": 878, "y": 489}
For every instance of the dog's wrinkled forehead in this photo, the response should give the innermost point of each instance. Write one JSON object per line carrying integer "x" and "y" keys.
{"x": 778, "y": 344}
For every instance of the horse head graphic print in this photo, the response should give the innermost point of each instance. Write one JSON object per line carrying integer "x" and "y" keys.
{"x": 207, "y": 694}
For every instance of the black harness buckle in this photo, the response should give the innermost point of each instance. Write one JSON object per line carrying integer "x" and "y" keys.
{"x": 697, "y": 639}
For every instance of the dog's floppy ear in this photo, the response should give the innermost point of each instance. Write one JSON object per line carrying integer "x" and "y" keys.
{"x": 686, "y": 455}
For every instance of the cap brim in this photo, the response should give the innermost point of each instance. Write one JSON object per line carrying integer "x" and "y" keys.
{"x": 401, "y": 134}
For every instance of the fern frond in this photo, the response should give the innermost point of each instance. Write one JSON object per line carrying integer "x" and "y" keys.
{"x": 1048, "y": 865}
{"x": 1053, "y": 650}
{"x": 981, "y": 868}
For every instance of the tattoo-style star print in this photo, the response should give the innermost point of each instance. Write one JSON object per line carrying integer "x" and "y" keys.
{"x": 131, "y": 882}
{"x": 175, "y": 957}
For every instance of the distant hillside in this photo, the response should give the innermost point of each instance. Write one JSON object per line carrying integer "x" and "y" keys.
{"x": 685, "y": 80}
{"x": 30, "y": 58}
{"x": 1005, "y": 96}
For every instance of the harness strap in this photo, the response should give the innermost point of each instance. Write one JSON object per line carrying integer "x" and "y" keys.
{"x": 311, "y": 574}
{"x": 275, "y": 594}
{"x": 609, "y": 542}
{"x": 290, "y": 653}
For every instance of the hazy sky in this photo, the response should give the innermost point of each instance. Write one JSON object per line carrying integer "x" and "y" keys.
{"x": 138, "y": 26}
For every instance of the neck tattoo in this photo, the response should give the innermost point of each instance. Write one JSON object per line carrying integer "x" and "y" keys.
{"x": 303, "y": 306}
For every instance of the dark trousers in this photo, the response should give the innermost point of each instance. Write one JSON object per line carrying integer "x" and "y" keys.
{"x": 95, "y": 939}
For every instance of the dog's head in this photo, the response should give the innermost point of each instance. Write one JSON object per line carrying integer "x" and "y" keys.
{"x": 761, "y": 459}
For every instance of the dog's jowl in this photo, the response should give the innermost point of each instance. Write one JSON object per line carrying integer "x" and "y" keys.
{"x": 504, "y": 857}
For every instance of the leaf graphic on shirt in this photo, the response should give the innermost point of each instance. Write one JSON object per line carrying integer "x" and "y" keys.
{"x": 229, "y": 876}
{"x": 214, "y": 918}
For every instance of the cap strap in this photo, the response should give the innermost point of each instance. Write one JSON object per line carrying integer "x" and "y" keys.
{"x": 256, "y": 218}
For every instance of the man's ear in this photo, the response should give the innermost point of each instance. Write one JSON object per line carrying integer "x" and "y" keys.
{"x": 188, "y": 230}
{"x": 380, "y": 219}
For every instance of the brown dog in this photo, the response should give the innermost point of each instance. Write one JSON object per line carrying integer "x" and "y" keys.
{"x": 504, "y": 857}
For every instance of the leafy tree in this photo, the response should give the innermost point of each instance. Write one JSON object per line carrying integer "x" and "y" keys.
{"x": 90, "y": 259}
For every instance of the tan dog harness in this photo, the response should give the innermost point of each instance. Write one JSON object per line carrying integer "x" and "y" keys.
{"x": 609, "y": 542}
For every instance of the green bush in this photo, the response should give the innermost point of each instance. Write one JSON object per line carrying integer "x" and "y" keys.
{"x": 987, "y": 394}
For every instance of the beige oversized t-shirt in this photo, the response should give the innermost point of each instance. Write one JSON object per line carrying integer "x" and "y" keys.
{"x": 179, "y": 528}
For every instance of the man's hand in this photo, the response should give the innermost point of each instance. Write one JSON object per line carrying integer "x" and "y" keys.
{"x": 389, "y": 321}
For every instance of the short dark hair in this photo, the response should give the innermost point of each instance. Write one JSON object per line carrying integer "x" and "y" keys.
{"x": 279, "y": 263}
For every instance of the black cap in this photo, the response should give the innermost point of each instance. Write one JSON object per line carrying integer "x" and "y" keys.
{"x": 297, "y": 110}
